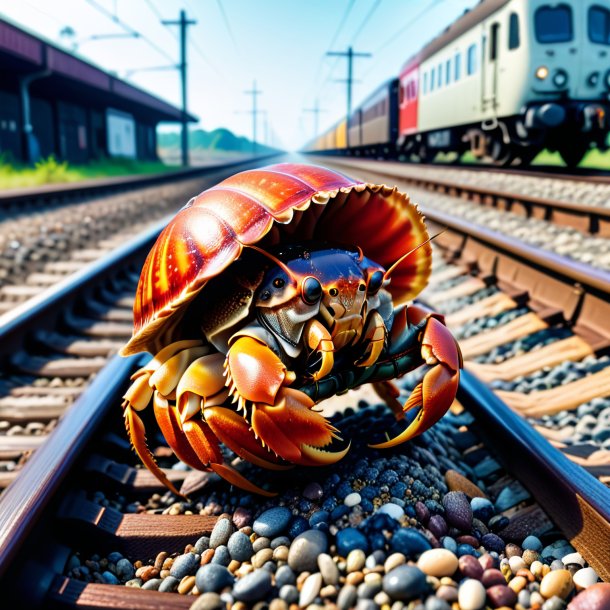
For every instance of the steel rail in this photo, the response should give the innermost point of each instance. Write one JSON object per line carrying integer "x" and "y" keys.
{"x": 593, "y": 219}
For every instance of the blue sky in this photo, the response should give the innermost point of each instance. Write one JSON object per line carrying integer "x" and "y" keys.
{"x": 280, "y": 43}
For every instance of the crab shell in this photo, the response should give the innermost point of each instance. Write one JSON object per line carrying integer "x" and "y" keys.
{"x": 275, "y": 204}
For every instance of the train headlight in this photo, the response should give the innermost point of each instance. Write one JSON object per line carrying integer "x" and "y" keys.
{"x": 560, "y": 78}
{"x": 542, "y": 72}
{"x": 593, "y": 79}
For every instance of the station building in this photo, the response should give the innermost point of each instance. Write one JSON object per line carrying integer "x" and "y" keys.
{"x": 52, "y": 102}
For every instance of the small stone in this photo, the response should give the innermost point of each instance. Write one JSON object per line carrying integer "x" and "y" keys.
{"x": 253, "y": 587}
{"x": 595, "y": 597}
{"x": 124, "y": 569}
{"x": 262, "y": 557}
{"x": 409, "y": 542}
{"x": 438, "y": 562}
{"x": 405, "y": 582}
{"x": 571, "y": 558}
{"x": 328, "y": 569}
{"x": 280, "y": 553}
{"x": 557, "y": 582}
{"x": 456, "y": 482}
{"x": 153, "y": 584}
{"x": 221, "y": 533}
{"x": 438, "y": 526}
{"x": 110, "y": 579}
{"x": 482, "y": 509}
{"x": 393, "y": 561}
{"x": 272, "y": 522}
{"x": 285, "y": 576}
{"x": 448, "y": 593}
{"x": 493, "y": 542}
{"x": 221, "y": 555}
{"x": 349, "y": 539}
{"x": 584, "y": 578}
{"x": 304, "y": 550}
{"x": 261, "y": 543}
{"x": 202, "y": 545}
{"x": 184, "y": 565}
{"x": 352, "y": 499}
{"x": 532, "y": 543}
{"x": 169, "y": 585}
{"x": 347, "y": 597}
{"x": 501, "y": 595}
{"x": 289, "y": 594}
{"x": 186, "y": 584}
{"x": 516, "y": 563}
{"x": 240, "y": 547}
{"x": 241, "y": 517}
{"x": 471, "y": 595}
{"x": 313, "y": 492}
{"x": 311, "y": 588}
{"x": 213, "y": 578}
{"x": 518, "y": 583}
{"x": 470, "y": 567}
{"x": 457, "y": 510}
{"x": 355, "y": 560}
{"x": 530, "y": 556}
{"x": 208, "y": 601}
{"x": 554, "y": 603}
{"x": 393, "y": 510}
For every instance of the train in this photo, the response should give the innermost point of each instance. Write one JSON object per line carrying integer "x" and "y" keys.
{"x": 506, "y": 80}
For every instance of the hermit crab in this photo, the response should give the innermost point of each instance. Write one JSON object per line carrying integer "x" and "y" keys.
{"x": 270, "y": 292}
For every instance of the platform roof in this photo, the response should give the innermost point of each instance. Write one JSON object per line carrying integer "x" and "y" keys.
{"x": 23, "y": 53}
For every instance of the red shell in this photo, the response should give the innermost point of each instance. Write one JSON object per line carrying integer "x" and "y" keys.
{"x": 274, "y": 204}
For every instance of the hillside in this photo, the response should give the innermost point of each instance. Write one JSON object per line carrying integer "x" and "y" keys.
{"x": 218, "y": 140}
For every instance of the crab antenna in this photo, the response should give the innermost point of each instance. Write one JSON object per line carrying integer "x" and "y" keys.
{"x": 389, "y": 272}
{"x": 277, "y": 261}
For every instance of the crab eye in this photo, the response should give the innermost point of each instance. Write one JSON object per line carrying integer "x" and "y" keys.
{"x": 311, "y": 291}
{"x": 361, "y": 287}
{"x": 375, "y": 282}
{"x": 333, "y": 292}
{"x": 278, "y": 282}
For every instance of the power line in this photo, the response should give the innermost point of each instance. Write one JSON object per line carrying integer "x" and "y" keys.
{"x": 227, "y": 23}
{"x": 316, "y": 114}
{"x": 104, "y": 11}
{"x": 366, "y": 20}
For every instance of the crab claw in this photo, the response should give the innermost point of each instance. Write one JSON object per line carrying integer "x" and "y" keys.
{"x": 436, "y": 392}
{"x": 293, "y": 431}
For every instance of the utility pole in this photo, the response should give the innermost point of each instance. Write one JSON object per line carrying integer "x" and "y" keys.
{"x": 316, "y": 115}
{"x": 253, "y": 92}
{"x": 350, "y": 54}
{"x": 183, "y": 23}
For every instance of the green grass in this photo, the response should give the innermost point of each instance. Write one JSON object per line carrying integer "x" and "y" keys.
{"x": 51, "y": 171}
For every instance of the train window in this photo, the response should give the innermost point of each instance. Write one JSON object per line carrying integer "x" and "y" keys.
{"x": 513, "y": 31}
{"x": 448, "y": 71}
{"x": 493, "y": 42}
{"x": 440, "y": 75}
{"x": 458, "y": 67}
{"x": 553, "y": 23}
{"x": 425, "y": 82}
{"x": 432, "y": 79}
{"x": 471, "y": 64}
{"x": 599, "y": 25}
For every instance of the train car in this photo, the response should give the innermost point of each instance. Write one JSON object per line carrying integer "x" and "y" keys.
{"x": 340, "y": 133}
{"x": 374, "y": 124}
{"x": 509, "y": 78}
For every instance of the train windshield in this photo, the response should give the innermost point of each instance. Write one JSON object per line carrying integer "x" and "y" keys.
{"x": 553, "y": 23}
{"x": 599, "y": 25}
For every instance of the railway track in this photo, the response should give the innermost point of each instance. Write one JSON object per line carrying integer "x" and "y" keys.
{"x": 534, "y": 325}
{"x": 70, "y": 226}
{"x": 82, "y": 518}
{"x": 579, "y": 202}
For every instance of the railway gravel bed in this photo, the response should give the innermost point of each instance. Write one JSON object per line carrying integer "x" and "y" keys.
{"x": 477, "y": 512}
{"x": 41, "y": 245}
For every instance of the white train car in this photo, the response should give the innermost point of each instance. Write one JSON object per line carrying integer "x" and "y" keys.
{"x": 511, "y": 77}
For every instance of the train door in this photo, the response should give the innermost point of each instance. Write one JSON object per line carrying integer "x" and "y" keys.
{"x": 489, "y": 65}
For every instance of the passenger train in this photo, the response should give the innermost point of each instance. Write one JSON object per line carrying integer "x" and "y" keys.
{"x": 504, "y": 81}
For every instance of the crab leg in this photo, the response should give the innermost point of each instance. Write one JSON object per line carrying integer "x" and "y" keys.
{"x": 320, "y": 341}
{"x": 437, "y": 390}
{"x": 374, "y": 339}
